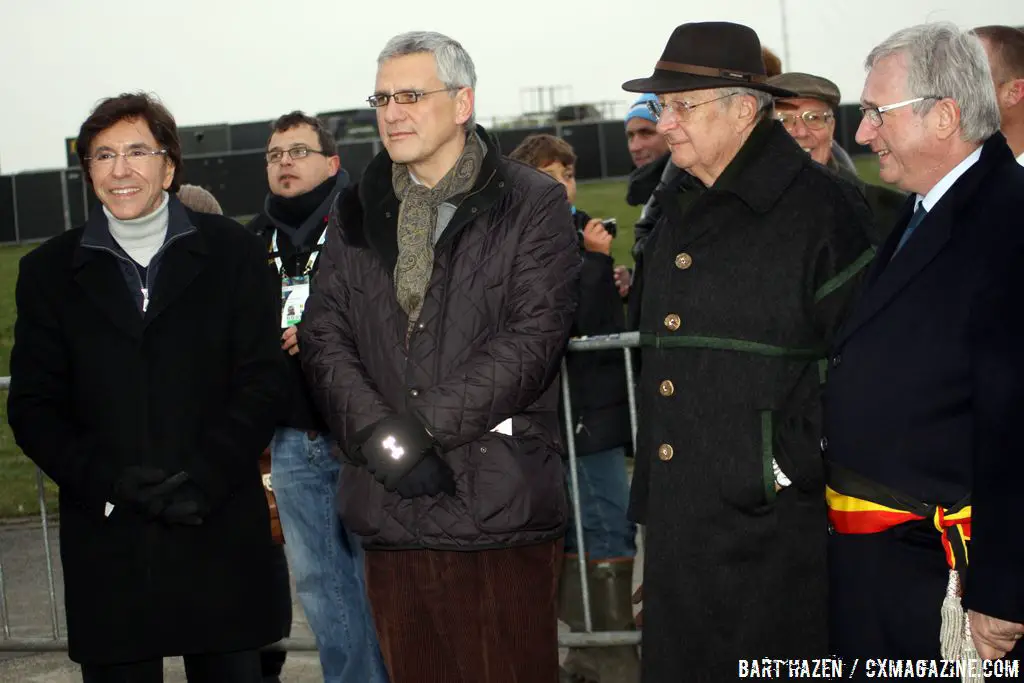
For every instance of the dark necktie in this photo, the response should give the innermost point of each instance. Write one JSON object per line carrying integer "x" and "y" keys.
{"x": 915, "y": 221}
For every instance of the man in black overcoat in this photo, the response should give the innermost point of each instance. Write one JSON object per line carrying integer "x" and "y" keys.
{"x": 924, "y": 397}
{"x": 744, "y": 280}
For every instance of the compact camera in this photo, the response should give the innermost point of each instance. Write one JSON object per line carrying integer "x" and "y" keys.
{"x": 611, "y": 225}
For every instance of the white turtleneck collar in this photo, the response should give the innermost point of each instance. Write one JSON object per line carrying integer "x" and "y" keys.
{"x": 141, "y": 237}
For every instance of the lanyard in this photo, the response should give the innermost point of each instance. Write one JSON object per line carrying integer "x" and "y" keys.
{"x": 310, "y": 262}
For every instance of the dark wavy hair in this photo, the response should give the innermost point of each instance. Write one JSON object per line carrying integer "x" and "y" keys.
{"x": 129, "y": 107}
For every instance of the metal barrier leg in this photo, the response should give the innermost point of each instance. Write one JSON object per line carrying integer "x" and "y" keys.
{"x": 631, "y": 393}
{"x": 574, "y": 490}
{"x": 3, "y": 601}
{"x": 55, "y": 622}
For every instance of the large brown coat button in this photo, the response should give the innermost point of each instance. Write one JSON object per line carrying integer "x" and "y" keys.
{"x": 683, "y": 260}
{"x": 665, "y": 452}
{"x": 666, "y": 388}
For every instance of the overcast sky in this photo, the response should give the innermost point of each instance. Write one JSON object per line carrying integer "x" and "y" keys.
{"x": 214, "y": 61}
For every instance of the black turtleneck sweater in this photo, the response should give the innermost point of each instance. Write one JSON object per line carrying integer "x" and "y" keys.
{"x": 298, "y": 223}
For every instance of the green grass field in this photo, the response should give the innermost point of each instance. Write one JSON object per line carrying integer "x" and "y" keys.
{"x": 18, "y": 495}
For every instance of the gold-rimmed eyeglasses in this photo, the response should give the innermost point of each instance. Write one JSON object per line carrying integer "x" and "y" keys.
{"x": 134, "y": 157}
{"x": 681, "y": 108}
{"x": 814, "y": 120}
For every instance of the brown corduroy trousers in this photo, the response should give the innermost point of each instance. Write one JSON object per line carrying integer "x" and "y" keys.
{"x": 486, "y": 616}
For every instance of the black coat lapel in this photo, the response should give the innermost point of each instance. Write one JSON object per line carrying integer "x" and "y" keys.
{"x": 100, "y": 277}
{"x": 183, "y": 259}
{"x": 891, "y": 274}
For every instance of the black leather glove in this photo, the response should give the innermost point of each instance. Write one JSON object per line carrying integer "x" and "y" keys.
{"x": 429, "y": 477}
{"x": 394, "y": 447}
{"x": 146, "y": 489}
{"x": 187, "y": 505}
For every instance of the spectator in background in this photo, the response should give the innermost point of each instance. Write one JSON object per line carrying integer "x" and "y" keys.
{"x": 743, "y": 282}
{"x": 305, "y": 176}
{"x": 1005, "y": 48}
{"x": 145, "y": 380}
{"x": 647, "y": 149}
{"x": 432, "y": 344}
{"x": 810, "y": 118}
{"x": 601, "y": 433}
{"x": 201, "y": 200}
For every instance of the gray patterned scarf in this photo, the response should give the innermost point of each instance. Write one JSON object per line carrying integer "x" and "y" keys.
{"x": 417, "y": 221}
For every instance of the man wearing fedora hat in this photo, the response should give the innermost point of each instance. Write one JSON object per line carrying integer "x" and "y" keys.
{"x": 754, "y": 259}
{"x": 810, "y": 118}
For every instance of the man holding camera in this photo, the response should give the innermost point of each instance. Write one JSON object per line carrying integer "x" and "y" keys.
{"x": 601, "y": 433}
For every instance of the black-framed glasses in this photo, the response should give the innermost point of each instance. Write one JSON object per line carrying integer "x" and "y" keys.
{"x": 136, "y": 156}
{"x": 874, "y": 114}
{"x": 379, "y": 100}
{"x": 815, "y": 120}
{"x": 295, "y": 153}
{"x": 681, "y": 108}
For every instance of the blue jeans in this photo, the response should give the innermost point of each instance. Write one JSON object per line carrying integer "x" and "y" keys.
{"x": 604, "y": 496}
{"x": 325, "y": 560}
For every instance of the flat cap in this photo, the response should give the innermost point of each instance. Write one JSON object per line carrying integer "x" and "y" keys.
{"x": 808, "y": 85}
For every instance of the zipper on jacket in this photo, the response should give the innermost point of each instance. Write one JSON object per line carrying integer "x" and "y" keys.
{"x": 143, "y": 285}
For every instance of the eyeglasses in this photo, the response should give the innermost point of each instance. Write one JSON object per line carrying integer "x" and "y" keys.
{"x": 681, "y": 108}
{"x": 874, "y": 114}
{"x": 134, "y": 157}
{"x": 274, "y": 156}
{"x": 402, "y": 97}
{"x": 814, "y": 120}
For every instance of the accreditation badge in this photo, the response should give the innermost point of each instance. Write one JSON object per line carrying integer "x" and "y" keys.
{"x": 294, "y": 292}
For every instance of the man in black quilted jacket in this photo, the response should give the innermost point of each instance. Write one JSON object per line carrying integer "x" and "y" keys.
{"x": 431, "y": 344}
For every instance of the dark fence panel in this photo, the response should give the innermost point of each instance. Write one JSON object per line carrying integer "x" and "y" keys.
{"x": 509, "y": 139}
{"x": 40, "y": 205}
{"x": 8, "y": 231}
{"x": 616, "y": 153}
{"x": 238, "y": 181}
{"x": 247, "y": 136}
{"x": 77, "y": 197}
{"x": 585, "y": 141}
{"x": 205, "y": 139}
{"x": 356, "y": 156}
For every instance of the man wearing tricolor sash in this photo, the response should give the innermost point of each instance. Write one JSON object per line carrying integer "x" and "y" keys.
{"x": 923, "y": 461}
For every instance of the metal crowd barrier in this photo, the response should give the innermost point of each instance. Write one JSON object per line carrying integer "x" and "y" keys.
{"x": 587, "y": 638}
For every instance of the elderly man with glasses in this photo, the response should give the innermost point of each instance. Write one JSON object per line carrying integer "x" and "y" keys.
{"x": 305, "y": 176}
{"x": 810, "y": 118}
{"x": 748, "y": 274}
{"x": 431, "y": 343}
{"x": 926, "y": 381}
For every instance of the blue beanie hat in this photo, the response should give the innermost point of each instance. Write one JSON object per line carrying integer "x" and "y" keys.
{"x": 639, "y": 108}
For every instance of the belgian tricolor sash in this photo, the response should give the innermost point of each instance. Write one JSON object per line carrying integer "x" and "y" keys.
{"x": 857, "y": 505}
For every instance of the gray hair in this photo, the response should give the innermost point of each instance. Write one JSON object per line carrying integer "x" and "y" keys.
{"x": 943, "y": 61}
{"x": 764, "y": 100}
{"x": 454, "y": 65}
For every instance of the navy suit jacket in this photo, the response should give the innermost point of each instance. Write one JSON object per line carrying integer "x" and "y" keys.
{"x": 926, "y": 376}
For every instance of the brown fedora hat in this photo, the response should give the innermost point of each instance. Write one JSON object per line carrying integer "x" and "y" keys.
{"x": 712, "y": 54}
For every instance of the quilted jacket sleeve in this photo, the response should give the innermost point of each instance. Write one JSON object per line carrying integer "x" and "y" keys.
{"x": 342, "y": 389}
{"x": 511, "y": 370}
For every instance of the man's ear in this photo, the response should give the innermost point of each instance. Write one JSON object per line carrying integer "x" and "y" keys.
{"x": 947, "y": 113}
{"x": 465, "y": 101}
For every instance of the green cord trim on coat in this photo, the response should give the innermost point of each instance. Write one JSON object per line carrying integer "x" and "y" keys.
{"x": 724, "y": 344}
{"x": 845, "y": 275}
{"x": 822, "y": 370}
{"x": 767, "y": 455}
